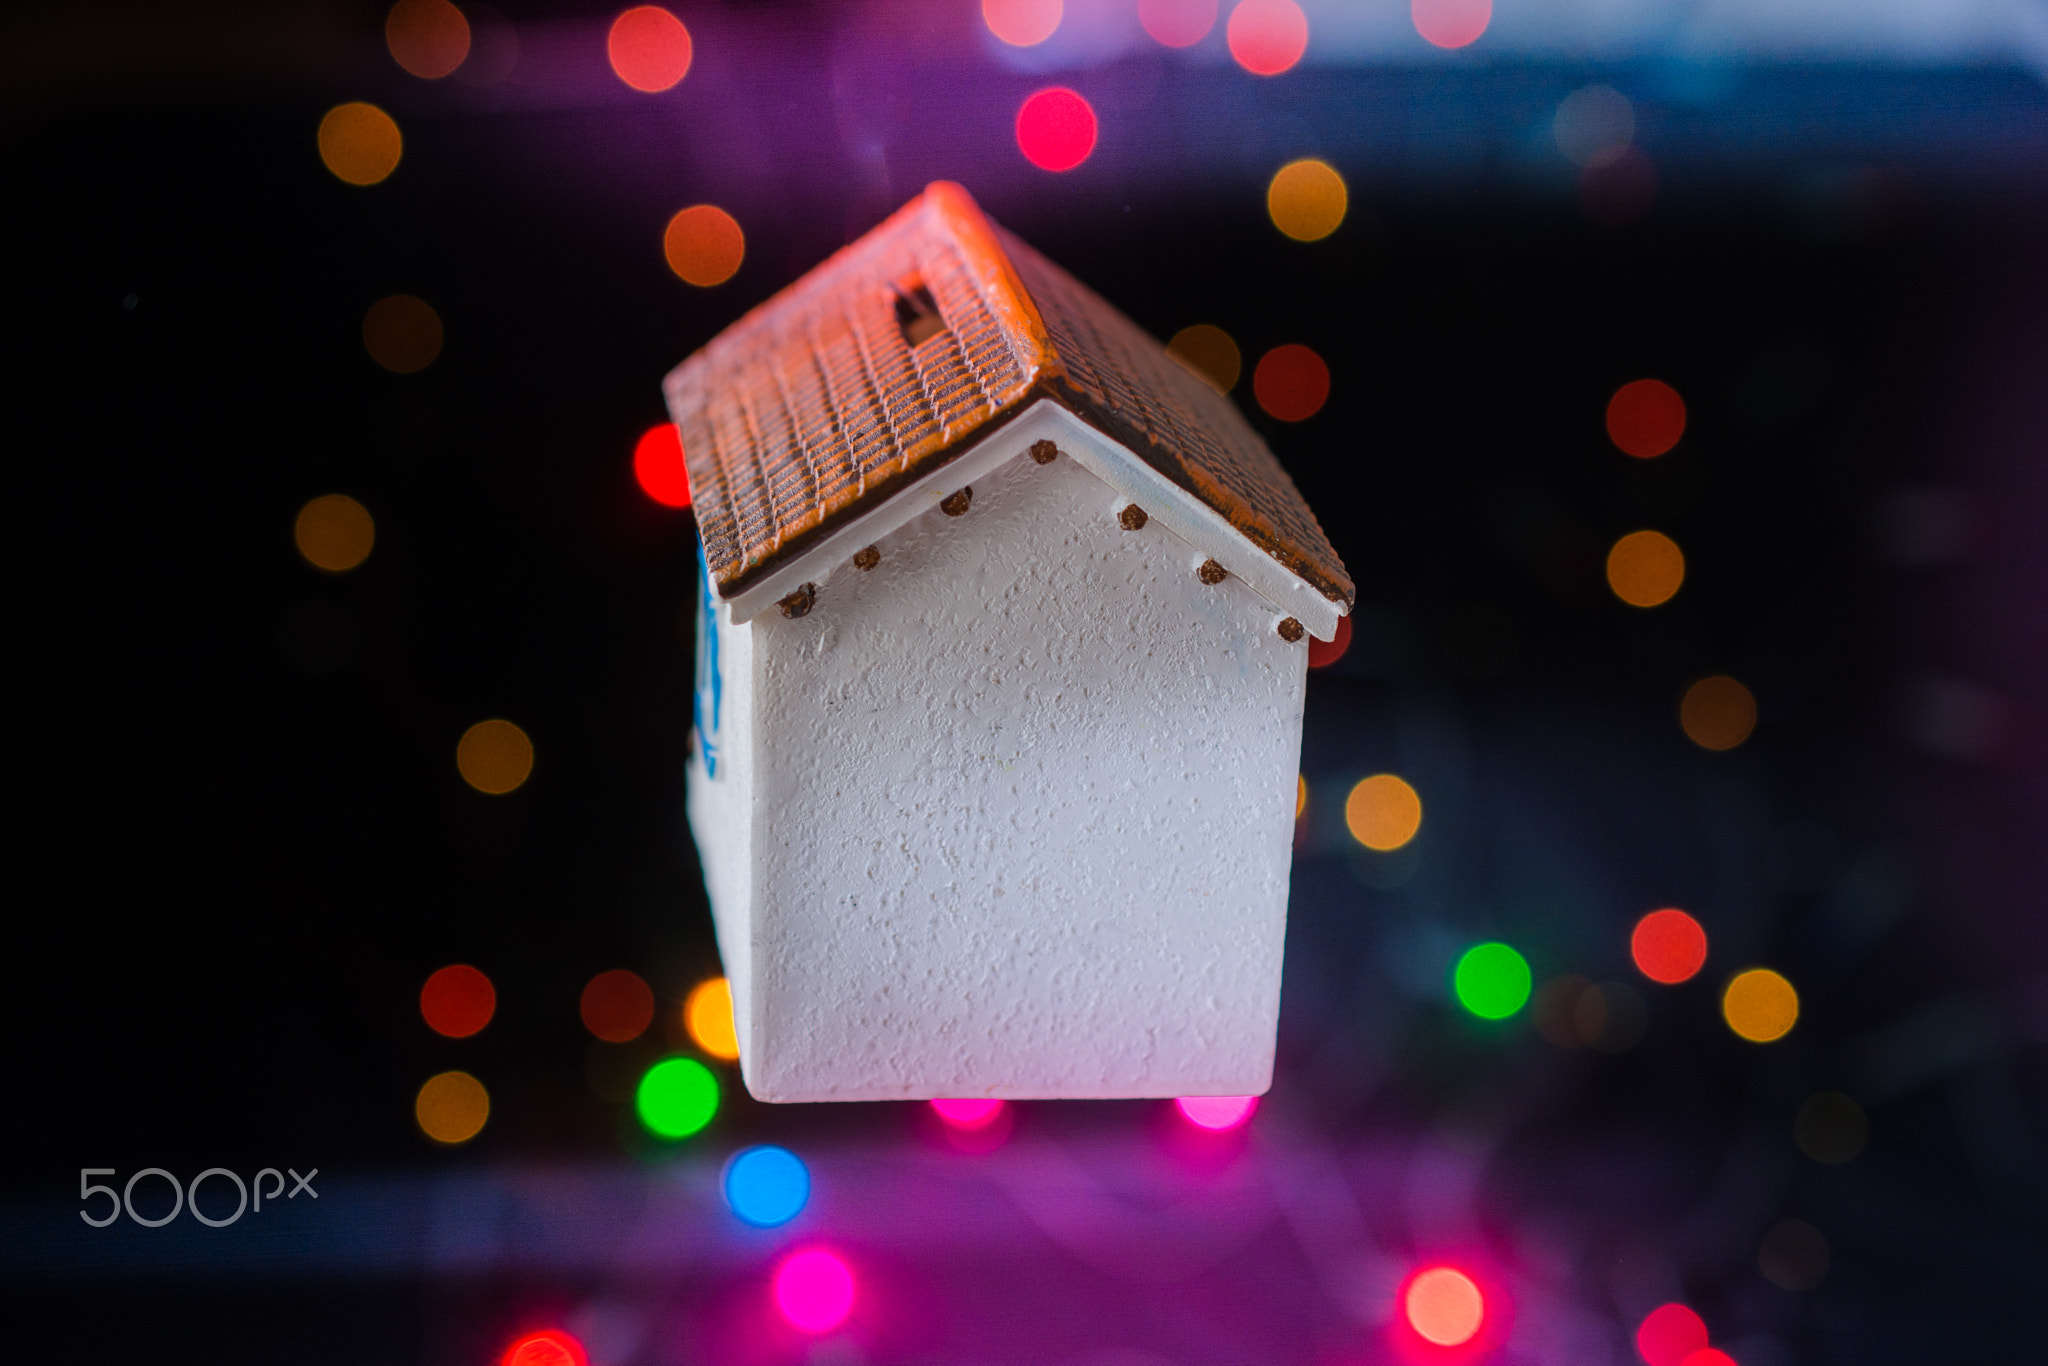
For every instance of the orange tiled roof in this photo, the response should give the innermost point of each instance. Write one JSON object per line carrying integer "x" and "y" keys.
{"x": 891, "y": 357}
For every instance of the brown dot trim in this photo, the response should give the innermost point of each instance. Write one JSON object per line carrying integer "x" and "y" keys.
{"x": 1044, "y": 452}
{"x": 800, "y": 603}
{"x": 1132, "y": 518}
{"x": 868, "y": 558}
{"x": 1212, "y": 573}
{"x": 955, "y": 504}
{"x": 1290, "y": 630}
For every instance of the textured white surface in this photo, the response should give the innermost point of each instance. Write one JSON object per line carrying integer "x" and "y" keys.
{"x": 1009, "y": 814}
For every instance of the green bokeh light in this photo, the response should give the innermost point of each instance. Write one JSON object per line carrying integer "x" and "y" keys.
{"x": 677, "y": 1097}
{"x": 1492, "y": 981}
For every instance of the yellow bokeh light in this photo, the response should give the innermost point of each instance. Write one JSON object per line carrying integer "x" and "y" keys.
{"x": 1307, "y": 199}
{"x": 334, "y": 532}
{"x": 1645, "y": 568}
{"x": 1760, "y": 1005}
{"x": 452, "y": 1107}
{"x": 707, "y": 1014}
{"x": 494, "y": 756}
{"x": 402, "y": 334}
{"x": 1383, "y": 812}
{"x": 360, "y": 143}
{"x": 1210, "y": 352}
{"x": 704, "y": 245}
{"x": 1300, "y": 796}
{"x": 1717, "y": 713}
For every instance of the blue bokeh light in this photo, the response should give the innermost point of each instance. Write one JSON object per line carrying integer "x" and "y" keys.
{"x": 767, "y": 1186}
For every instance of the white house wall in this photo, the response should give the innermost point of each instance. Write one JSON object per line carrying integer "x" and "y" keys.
{"x": 1021, "y": 808}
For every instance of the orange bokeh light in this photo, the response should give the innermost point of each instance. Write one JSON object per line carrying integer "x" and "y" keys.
{"x": 452, "y": 1108}
{"x": 617, "y": 1006}
{"x": 708, "y": 1017}
{"x": 458, "y": 1001}
{"x": 1450, "y": 23}
{"x": 1291, "y": 382}
{"x": 1056, "y": 129}
{"x": 1444, "y": 1306}
{"x": 1177, "y": 23}
{"x": 334, "y": 533}
{"x": 1645, "y": 418}
{"x": 1668, "y": 946}
{"x": 1267, "y": 37}
{"x": 704, "y": 245}
{"x": 1645, "y": 568}
{"x": 1383, "y": 812}
{"x": 360, "y": 143}
{"x": 1022, "y": 23}
{"x": 402, "y": 333}
{"x": 429, "y": 38}
{"x": 494, "y": 756}
{"x": 650, "y": 49}
{"x": 1760, "y": 1005}
{"x": 1717, "y": 713}
{"x": 658, "y": 465}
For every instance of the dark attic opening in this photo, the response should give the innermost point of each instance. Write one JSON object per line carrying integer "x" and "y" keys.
{"x": 917, "y": 313}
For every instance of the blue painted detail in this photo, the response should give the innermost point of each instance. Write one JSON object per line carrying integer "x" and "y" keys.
{"x": 704, "y": 706}
{"x": 767, "y": 1186}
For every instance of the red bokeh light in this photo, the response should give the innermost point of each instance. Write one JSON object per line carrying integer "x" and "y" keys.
{"x": 1447, "y": 1313}
{"x": 658, "y": 465}
{"x": 1055, "y": 129}
{"x": 1177, "y": 23}
{"x": 1451, "y": 23}
{"x": 1669, "y": 1334}
{"x": 1321, "y": 654}
{"x": 1709, "y": 1356}
{"x": 650, "y": 49}
{"x": 1669, "y": 946}
{"x": 617, "y": 1006}
{"x": 458, "y": 1001}
{"x": 1443, "y": 1305}
{"x": 1217, "y": 1113}
{"x": 1645, "y": 418}
{"x": 549, "y": 1347}
{"x": 814, "y": 1290}
{"x": 1267, "y": 36}
{"x": 1291, "y": 383}
{"x": 976, "y": 1113}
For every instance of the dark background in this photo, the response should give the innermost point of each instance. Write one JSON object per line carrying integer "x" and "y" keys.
{"x": 236, "y": 841}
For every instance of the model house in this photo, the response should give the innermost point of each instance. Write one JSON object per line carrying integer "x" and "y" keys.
{"x": 1000, "y": 676}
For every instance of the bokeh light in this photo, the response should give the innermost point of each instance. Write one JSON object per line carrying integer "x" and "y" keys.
{"x": 814, "y": 1290}
{"x": 1055, "y": 129}
{"x": 708, "y": 1018}
{"x": 549, "y": 1347}
{"x": 452, "y": 1107}
{"x": 676, "y": 1098}
{"x": 334, "y": 533}
{"x": 1444, "y": 1306}
{"x": 1210, "y": 352}
{"x": 1300, "y": 796}
{"x": 1217, "y": 1113}
{"x": 360, "y": 143}
{"x": 1383, "y": 812}
{"x": 767, "y": 1186}
{"x": 1709, "y": 1356}
{"x": 704, "y": 245}
{"x": 617, "y": 1006}
{"x": 658, "y": 465}
{"x": 402, "y": 334}
{"x": 1593, "y": 125}
{"x": 1760, "y": 1005}
{"x": 1492, "y": 980}
{"x": 1668, "y": 946}
{"x": 1645, "y": 418}
{"x": 1831, "y": 1128}
{"x": 458, "y": 1001}
{"x": 494, "y": 756}
{"x": 1306, "y": 199}
{"x": 1267, "y": 37}
{"x": 1323, "y": 653}
{"x": 1291, "y": 383}
{"x": 1450, "y": 23}
{"x": 1792, "y": 1256}
{"x": 649, "y": 48}
{"x": 1717, "y": 713}
{"x": 1669, "y": 1334}
{"x": 429, "y": 38}
{"x": 1177, "y": 23}
{"x": 967, "y": 1112}
{"x": 1645, "y": 568}
{"x": 1022, "y": 23}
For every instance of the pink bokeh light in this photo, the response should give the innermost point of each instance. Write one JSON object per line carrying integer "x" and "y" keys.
{"x": 1451, "y": 23}
{"x": 965, "y": 1113}
{"x": 1217, "y": 1113}
{"x": 814, "y": 1290}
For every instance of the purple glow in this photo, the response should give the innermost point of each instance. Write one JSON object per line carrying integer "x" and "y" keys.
{"x": 1217, "y": 1112}
{"x": 814, "y": 1290}
{"x": 968, "y": 1114}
